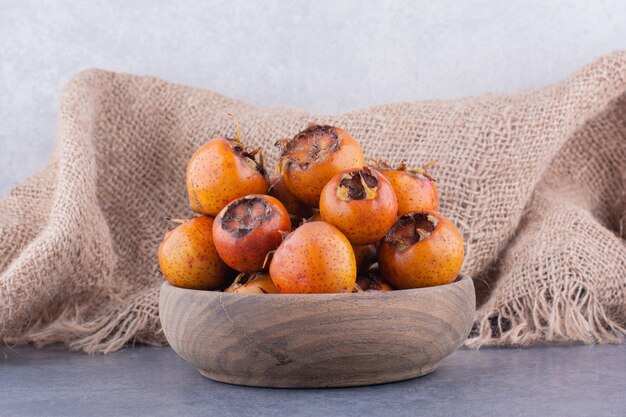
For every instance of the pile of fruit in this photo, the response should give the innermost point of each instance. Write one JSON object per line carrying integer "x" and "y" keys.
{"x": 326, "y": 221}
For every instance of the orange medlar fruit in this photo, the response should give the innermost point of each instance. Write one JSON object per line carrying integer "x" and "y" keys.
{"x": 295, "y": 207}
{"x": 222, "y": 170}
{"x": 361, "y": 203}
{"x": 188, "y": 258}
{"x": 253, "y": 283}
{"x": 312, "y": 157}
{"x": 247, "y": 229}
{"x": 422, "y": 249}
{"x": 315, "y": 258}
{"x": 365, "y": 255}
{"x": 415, "y": 188}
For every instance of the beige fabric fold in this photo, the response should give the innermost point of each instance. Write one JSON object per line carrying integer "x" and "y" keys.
{"x": 535, "y": 181}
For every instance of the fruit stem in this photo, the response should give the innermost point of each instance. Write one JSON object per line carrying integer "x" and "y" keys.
{"x": 268, "y": 257}
{"x": 380, "y": 165}
{"x": 422, "y": 233}
{"x": 177, "y": 221}
{"x": 275, "y": 183}
{"x": 429, "y": 164}
{"x": 238, "y": 280}
{"x": 237, "y": 129}
{"x": 261, "y": 159}
{"x": 370, "y": 193}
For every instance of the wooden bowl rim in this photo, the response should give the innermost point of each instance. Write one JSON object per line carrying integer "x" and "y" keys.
{"x": 460, "y": 280}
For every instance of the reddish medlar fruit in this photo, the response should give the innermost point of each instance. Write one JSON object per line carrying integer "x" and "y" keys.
{"x": 247, "y": 229}
{"x": 313, "y": 157}
{"x": 422, "y": 249}
{"x": 361, "y": 203}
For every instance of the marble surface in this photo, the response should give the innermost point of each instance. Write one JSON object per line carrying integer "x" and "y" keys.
{"x": 543, "y": 381}
{"x": 325, "y": 56}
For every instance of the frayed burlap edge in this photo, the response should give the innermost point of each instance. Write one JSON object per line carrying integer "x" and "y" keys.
{"x": 539, "y": 317}
{"x": 121, "y": 322}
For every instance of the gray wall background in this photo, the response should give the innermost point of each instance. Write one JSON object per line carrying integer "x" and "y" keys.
{"x": 325, "y": 56}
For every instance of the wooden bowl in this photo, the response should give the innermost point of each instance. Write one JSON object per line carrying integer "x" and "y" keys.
{"x": 317, "y": 340}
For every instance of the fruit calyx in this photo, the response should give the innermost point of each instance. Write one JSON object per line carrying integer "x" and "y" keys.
{"x": 177, "y": 222}
{"x": 313, "y": 144}
{"x": 245, "y": 215}
{"x": 357, "y": 289}
{"x": 410, "y": 229}
{"x": 402, "y": 166}
{"x": 248, "y": 155}
{"x": 244, "y": 152}
{"x": 358, "y": 185}
{"x": 418, "y": 172}
{"x": 246, "y": 278}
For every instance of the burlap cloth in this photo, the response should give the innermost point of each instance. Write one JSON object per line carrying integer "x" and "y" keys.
{"x": 535, "y": 181}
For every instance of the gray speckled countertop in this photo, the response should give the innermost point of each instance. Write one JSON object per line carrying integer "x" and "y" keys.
{"x": 542, "y": 381}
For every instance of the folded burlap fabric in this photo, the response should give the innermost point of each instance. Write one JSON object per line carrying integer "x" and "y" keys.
{"x": 535, "y": 181}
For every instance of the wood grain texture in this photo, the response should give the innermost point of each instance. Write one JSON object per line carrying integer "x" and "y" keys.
{"x": 317, "y": 340}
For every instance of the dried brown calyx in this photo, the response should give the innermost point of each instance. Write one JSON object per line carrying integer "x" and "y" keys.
{"x": 372, "y": 281}
{"x": 246, "y": 278}
{"x": 411, "y": 229}
{"x": 375, "y": 285}
{"x": 416, "y": 172}
{"x": 246, "y": 154}
{"x": 358, "y": 185}
{"x": 357, "y": 288}
{"x": 311, "y": 145}
{"x": 368, "y": 282}
{"x": 249, "y": 156}
{"x": 245, "y": 215}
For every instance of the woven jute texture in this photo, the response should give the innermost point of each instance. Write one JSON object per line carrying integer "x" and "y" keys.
{"x": 535, "y": 181}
